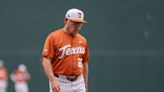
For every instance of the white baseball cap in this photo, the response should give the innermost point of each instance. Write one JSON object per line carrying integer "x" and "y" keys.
{"x": 1, "y": 63}
{"x": 22, "y": 67}
{"x": 75, "y": 15}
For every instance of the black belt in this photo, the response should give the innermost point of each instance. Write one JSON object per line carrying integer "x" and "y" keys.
{"x": 70, "y": 78}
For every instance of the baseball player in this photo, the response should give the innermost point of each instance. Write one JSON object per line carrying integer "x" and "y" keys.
{"x": 3, "y": 77}
{"x": 65, "y": 55}
{"x": 20, "y": 78}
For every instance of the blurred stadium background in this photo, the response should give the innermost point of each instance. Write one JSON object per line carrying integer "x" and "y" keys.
{"x": 126, "y": 40}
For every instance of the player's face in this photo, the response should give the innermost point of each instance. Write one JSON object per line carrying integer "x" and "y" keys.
{"x": 73, "y": 27}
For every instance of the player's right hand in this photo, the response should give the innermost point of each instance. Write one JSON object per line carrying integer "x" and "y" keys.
{"x": 55, "y": 86}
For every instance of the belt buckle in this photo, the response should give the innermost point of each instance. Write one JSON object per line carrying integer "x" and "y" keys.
{"x": 71, "y": 78}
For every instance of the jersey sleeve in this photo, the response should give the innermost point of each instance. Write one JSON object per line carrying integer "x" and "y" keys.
{"x": 86, "y": 54}
{"x": 48, "y": 49}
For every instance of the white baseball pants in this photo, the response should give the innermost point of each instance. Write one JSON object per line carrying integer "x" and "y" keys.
{"x": 21, "y": 87}
{"x": 3, "y": 86}
{"x": 70, "y": 86}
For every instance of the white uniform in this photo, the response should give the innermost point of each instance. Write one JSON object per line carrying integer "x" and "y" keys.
{"x": 20, "y": 78}
{"x": 3, "y": 77}
{"x": 3, "y": 80}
